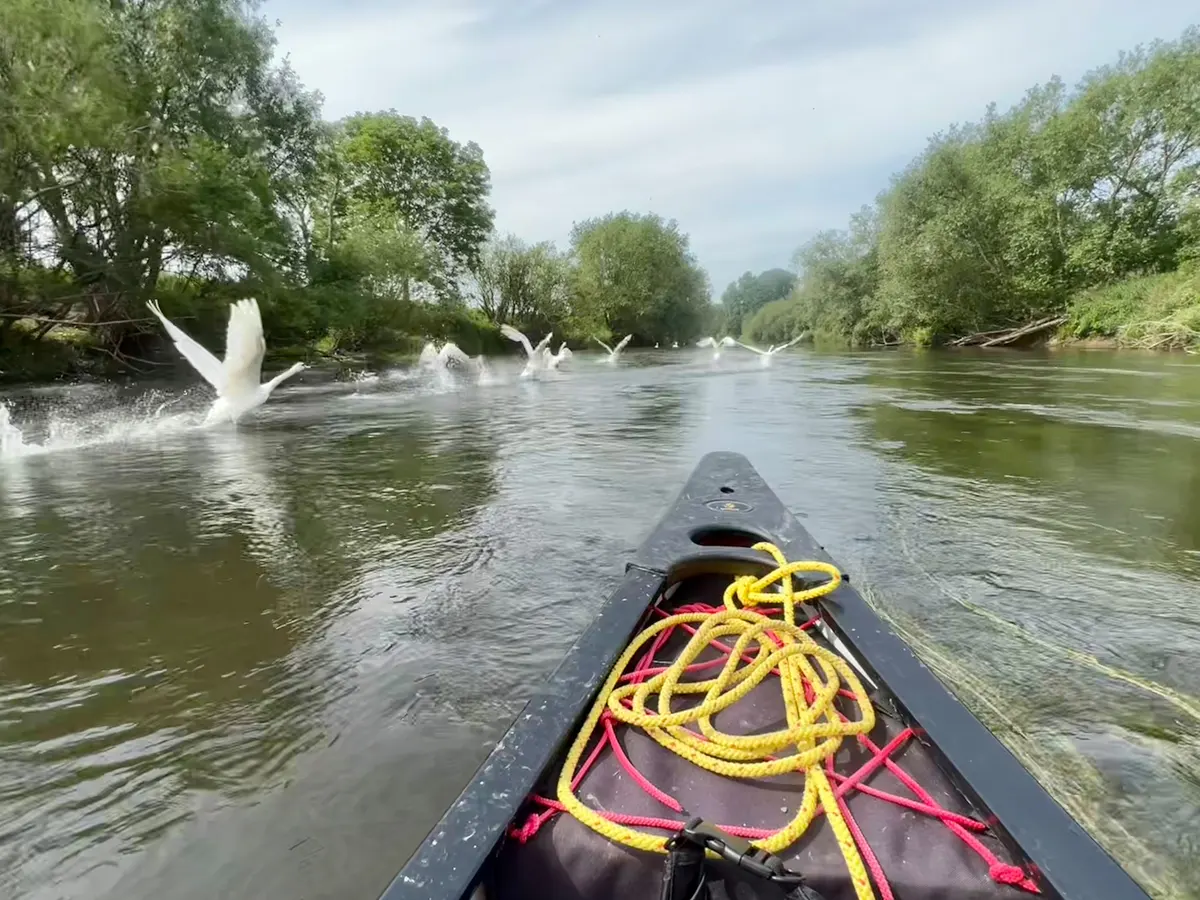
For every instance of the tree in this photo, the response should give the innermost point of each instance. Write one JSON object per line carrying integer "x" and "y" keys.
{"x": 750, "y": 293}
{"x": 524, "y": 286}
{"x": 409, "y": 176}
{"x": 998, "y": 223}
{"x": 833, "y": 295}
{"x": 148, "y": 140}
{"x": 635, "y": 274}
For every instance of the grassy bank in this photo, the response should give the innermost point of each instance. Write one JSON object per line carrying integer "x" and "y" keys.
{"x": 1147, "y": 312}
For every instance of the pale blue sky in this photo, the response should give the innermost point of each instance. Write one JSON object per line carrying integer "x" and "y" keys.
{"x": 755, "y": 124}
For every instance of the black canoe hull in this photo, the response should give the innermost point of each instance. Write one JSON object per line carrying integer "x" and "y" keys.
{"x": 724, "y": 508}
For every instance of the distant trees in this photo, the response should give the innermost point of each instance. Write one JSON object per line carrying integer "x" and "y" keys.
{"x": 999, "y": 222}
{"x": 750, "y": 293}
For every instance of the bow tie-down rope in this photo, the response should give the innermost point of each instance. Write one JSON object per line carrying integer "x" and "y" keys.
{"x": 810, "y": 677}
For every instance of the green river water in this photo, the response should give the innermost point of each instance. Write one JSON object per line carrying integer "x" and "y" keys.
{"x": 259, "y": 662}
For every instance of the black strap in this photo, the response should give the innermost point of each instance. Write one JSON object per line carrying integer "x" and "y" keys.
{"x": 686, "y": 875}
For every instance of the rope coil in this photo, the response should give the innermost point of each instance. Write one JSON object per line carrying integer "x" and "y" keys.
{"x": 811, "y": 678}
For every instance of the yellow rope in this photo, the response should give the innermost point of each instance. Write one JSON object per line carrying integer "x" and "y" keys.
{"x": 814, "y": 730}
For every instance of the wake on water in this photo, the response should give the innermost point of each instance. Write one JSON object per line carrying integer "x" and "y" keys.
{"x": 156, "y": 414}
{"x": 67, "y": 429}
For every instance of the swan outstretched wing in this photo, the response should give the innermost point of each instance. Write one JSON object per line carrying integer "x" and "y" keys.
{"x": 789, "y": 343}
{"x": 543, "y": 343}
{"x": 747, "y": 347}
{"x": 244, "y": 346}
{"x": 513, "y": 335}
{"x": 624, "y": 341}
{"x": 202, "y": 361}
{"x": 602, "y": 344}
{"x": 706, "y": 342}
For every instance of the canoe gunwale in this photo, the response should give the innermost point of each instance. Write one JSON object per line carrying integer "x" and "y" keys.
{"x": 724, "y": 502}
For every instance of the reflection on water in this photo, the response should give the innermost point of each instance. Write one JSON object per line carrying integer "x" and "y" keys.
{"x": 260, "y": 662}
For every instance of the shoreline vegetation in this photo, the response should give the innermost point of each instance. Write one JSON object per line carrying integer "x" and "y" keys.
{"x": 1071, "y": 219}
{"x": 158, "y": 150}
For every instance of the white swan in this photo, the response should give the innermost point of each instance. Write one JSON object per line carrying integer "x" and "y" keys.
{"x": 236, "y": 378}
{"x": 554, "y": 360}
{"x": 765, "y": 355}
{"x": 535, "y": 359}
{"x": 613, "y": 352}
{"x": 726, "y": 341}
{"x": 449, "y": 354}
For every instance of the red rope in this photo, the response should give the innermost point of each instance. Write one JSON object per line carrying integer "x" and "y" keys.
{"x": 881, "y": 757}
{"x": 864, "y": 848}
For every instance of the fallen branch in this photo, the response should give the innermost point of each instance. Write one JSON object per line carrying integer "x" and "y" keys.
{"x": 123, "y": 359}
{"x": 978, "y": 337}
{"x": 72, "y": 322}
{"x": 1025, "y": 331}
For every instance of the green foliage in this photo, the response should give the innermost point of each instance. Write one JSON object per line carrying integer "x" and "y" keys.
{"x": 407, "y": 178}
{"x": 776, "y": 323}
{"x": 750, "y": 293}
{"x": 1158, "y": 311}
{"x": 1001, "y": 222}
{"x": 155, "y": 149}
{"x": 526, "y": 287}
{"x": 142, "y": 141}
{"x": 635, "y": 274}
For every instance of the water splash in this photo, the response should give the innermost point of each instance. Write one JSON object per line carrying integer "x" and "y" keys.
{"x": 12, "y": 440}
{"x": 72, "y": 429}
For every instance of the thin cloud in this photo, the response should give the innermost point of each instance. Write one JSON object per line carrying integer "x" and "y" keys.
{"x": 735, "y": 119}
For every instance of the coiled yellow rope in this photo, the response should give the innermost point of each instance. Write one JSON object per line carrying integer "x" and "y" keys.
{"x": 814, "y": 730}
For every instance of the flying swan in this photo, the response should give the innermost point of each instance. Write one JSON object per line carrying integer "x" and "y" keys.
{"x": 726, "y": 341}
{"x": 236, "y": 378}
{"x": 535, "y": 359}
{"x": 765, "y": 355}
{"x": 554, "y": 360}
{"x": 449, "y": 354}
{"x": 613, "y": 352}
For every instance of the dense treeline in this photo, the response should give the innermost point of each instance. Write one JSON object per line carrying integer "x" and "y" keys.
{"x": 1024, "y": 217}
{"x": 750, "y": 293}
{"x": 154, "y": 148}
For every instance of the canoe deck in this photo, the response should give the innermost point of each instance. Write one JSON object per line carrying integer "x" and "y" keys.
{"x": 488, "y": 843}
{"x": 553, "y": 855}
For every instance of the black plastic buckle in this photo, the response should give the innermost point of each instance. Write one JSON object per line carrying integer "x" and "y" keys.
{"x": 737, "y": 851}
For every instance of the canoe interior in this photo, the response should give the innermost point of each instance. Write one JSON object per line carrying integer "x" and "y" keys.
{"x": 920, "y": 855}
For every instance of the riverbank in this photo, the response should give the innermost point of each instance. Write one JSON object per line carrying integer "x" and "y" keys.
{"x": 67, "y": 353}
{"x": 1159, "y": 312}
{"x": 1146, "y": 312}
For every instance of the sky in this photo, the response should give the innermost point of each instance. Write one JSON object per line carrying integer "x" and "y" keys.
{"x": 754, "y": 124}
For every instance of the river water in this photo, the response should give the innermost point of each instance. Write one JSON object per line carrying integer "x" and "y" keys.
{"x": 259, "y": 662}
